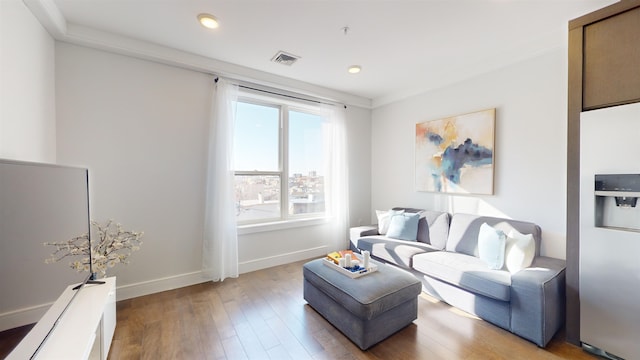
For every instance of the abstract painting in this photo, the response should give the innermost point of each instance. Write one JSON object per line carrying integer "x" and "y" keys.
{"x": 455, "y": 154}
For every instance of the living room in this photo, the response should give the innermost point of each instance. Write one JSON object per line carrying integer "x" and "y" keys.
{"x": 140, "y": 125}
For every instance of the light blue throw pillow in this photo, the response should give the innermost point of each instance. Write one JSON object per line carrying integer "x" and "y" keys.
{"x": 491, "y": 245}
{"x": 404, "y": 226}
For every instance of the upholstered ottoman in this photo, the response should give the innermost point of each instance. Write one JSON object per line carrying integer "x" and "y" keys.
{"x": 367, "y": 309}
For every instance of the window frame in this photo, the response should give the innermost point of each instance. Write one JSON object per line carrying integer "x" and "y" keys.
{"x": 286, "y": 220}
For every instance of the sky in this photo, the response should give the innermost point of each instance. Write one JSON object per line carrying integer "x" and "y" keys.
{"x": 257, "y": 148}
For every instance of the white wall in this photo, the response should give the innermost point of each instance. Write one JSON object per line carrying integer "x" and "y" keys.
{"x": 530, "y": 150}
{"x": 140, "y": 127}
{"x": 27, "y": 95}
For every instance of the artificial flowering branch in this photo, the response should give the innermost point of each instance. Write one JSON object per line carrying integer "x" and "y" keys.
{"x": 112, "y": 245}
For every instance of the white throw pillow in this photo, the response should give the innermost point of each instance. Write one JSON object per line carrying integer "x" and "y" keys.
{"x": 519, "y": 251}
{"x": 491, "y": 245}
{"x": 384, "y": 217}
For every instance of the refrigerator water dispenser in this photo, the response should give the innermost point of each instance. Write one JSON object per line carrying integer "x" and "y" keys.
{"x": 616, "y": 200}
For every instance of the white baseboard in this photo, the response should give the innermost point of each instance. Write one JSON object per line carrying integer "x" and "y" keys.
{"x": 158, "y": 285}
{"x": 281, "y": 259}
{"x": 31, "y": 315}
{"x": 173, "y": 282}
{"x": 20, "y": 317}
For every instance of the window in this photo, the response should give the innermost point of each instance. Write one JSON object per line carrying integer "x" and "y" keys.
{"x": 279, "y": 161}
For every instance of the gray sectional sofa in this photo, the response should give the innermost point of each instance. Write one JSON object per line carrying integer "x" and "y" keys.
{"x": 445, "y": 257}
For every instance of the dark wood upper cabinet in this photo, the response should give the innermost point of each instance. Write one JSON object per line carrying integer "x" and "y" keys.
{"x": 612, "y": 61}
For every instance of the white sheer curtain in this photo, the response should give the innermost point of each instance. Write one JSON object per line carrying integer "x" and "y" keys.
{"x": 220, "y": 248}
{"x": 337, "y": 179}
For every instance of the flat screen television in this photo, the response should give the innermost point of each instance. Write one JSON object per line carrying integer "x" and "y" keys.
{"x": 38, "y": 203}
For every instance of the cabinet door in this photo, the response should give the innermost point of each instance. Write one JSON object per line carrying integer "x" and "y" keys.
{"x": 612, "y": 61}
{"x": 108, "y": 323}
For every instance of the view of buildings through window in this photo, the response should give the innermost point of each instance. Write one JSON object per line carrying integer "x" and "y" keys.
{"x": 279, "y": 159}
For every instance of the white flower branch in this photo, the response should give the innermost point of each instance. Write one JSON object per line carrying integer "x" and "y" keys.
{"x": 112, "y": 245}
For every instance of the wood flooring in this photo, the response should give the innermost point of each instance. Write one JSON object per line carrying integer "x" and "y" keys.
{"x": 262, "y": 315}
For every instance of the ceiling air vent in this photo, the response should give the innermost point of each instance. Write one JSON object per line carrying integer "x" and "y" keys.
{"x": 284, "y": 58}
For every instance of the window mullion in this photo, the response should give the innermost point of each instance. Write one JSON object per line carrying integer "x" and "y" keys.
{"x": 284, "y": 161}
{"x": 241, "y": 173}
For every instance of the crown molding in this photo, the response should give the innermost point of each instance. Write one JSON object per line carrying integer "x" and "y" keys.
{"x": 48, "y": 14}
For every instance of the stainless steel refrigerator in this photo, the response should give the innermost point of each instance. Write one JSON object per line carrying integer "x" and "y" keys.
{"x": 610, "y": 231}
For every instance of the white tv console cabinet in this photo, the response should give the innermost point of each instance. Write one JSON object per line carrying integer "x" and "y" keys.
{"x": 84, "y": 331}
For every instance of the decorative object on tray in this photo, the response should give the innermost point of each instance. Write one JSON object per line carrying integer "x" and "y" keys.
{"x": 112, "y": 245}
{"x": 348, "y": 263}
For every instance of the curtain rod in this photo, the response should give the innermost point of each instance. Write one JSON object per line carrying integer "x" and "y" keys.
{"x": 284, "y": 95}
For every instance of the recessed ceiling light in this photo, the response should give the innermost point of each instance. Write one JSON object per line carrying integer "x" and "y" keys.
{"x": 354, "y": 69}
{"x": 209, "y": 21}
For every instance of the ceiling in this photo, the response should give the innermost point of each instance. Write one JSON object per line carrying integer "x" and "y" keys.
{"x": 404, "y": 47}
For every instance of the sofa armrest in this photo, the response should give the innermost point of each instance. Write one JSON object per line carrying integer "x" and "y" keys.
{"x": 357, "y": 232}
{"x": 538, "y": 300}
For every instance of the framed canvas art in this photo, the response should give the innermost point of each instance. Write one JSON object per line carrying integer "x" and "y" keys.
{"x": 455, "y": 154}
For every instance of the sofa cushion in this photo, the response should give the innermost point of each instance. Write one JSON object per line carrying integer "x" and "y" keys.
{"x": 436, "y": 226}
{"x": 398, "y": 252}
{"x": 433, "y": 227}
{"x": 464, "y": 271}
{"x": 464, "y": 230}
{"x": 355, "y": 233}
